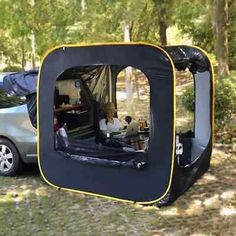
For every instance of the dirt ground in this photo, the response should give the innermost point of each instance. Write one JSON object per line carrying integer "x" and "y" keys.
{"x": 28, "y": 206}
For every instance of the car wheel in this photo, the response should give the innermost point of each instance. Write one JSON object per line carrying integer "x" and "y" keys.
{"x": 10, "y": 162}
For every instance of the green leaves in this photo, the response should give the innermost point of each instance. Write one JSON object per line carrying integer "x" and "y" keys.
{"x": 195, "y": 20}
{"x": 225, "y": 100}
{"x": 88, "y": 21}
{"x": 225, "y": 97}
{"x": 45, "y": 18}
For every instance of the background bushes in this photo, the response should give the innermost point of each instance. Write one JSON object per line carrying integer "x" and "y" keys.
{"x": 225, "y": 103}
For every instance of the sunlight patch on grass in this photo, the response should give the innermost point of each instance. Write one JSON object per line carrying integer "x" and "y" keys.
{"x": 26, "y": 186}
{"x": 182, "y": 121}
{"x": 6, "y": 198}
{"x": 208, "y": 178}
{"x": 42, "y": 191}
{"x": 228, "y": 195}
{"x": 212, "y": 202}
{"x": 228, "y": 211}
{"x": 218, "y": 156}
{"x": 26, "y": 192}
{"x": 172, "y": 211}
{"x": 199, "y": 234}
{"x": 195, "y": 208}
{"x": 11, "y": 196}
{"x": 145, "y": 208}
{"x": 15, "y": 196}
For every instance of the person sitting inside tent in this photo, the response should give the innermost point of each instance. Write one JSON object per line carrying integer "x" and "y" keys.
{"x": 56, "y": 123}
{"x": 128, "y": 120}
{"x": 61, "y": 137}
{"x": 132, "y": 127}
{"x": 131, "y": 135}
{"x": 109, "y": 124}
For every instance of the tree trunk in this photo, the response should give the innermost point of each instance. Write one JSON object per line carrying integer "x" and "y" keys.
{"x": 32, "y": 38}
{"x": 23, "y": 60}
{"x": 162, "y": 29}
{"x": 162, "y": 25}
{"x": 128, "y": 72}
{"x": 83, "y": 6}
{"x": 127, "y": 34}
{"x": 137, "y": 88}
{"x": 220, "y": 26}
{"x": 33, "y": 49}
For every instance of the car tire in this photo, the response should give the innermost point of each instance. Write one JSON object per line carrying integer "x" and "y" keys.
{"x": 10, "y": 161}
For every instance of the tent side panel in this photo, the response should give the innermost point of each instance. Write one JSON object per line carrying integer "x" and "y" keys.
{"x": 127, "y": 184}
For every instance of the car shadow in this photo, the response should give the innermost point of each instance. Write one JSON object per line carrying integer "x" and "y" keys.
{"x": 30, "y": 170}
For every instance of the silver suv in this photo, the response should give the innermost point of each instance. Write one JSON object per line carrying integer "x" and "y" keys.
{"x": 17, "y": 135}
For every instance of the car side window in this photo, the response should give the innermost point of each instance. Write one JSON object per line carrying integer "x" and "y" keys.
{"x": 7, "y": 101}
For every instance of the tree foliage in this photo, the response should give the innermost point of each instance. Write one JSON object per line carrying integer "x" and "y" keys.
{"x": 196, "y": 19}
{"x": 84, "y": 21}
{"x": 225, "y": 101}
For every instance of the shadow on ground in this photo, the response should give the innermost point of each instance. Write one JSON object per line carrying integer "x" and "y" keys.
{"x": 30, "y": 170}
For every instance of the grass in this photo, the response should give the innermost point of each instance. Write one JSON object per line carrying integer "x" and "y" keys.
{"x": 28, "y": 206}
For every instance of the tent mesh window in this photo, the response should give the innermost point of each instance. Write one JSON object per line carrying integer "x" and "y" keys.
{"x": 184, "y": 117}
{"x": 80, "y": 94}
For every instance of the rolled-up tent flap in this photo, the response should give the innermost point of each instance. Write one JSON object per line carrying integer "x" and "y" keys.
{"x": 24, "y": 84}
{"x": 21, "y": 83}
{"x": 188, "y": 57}
{"x": 31, "y": 101}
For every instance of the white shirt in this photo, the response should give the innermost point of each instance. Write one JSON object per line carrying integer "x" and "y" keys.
{"x": 109, "y": 127}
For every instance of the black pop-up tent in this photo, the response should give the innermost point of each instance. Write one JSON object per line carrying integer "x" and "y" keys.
{"x": 157, "y": 174}
{"x": 85, "y": 163}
